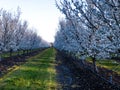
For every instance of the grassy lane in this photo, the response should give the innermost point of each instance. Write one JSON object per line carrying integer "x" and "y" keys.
{"x": 36, "y": 74}
{"x": 108, "y": 64}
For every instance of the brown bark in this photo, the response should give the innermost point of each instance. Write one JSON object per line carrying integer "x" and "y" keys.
{"x": 94, "y": 65}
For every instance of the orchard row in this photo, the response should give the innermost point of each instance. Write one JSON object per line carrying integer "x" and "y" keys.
{"x": 91, "y": 28}
{"x": 15, "y": 34}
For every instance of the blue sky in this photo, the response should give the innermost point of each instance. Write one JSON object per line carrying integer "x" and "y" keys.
{"x": 41, "y": 14}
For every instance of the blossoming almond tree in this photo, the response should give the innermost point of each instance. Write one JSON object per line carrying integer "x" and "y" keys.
{"x": 15, "y": 34}
{"x": 99, "y": 38}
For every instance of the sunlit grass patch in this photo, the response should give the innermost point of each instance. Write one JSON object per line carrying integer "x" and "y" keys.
{"x": 108, "y": 64}
{"x": 36, "y": 74}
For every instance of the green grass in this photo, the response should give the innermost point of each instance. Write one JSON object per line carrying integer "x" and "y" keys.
{"x": 7, "y": 54}
{"x": 108, "y": 64}
{"x": 36, "y": 74}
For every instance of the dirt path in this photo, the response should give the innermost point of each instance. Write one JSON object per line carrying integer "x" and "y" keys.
{"x": 72, "y": 78}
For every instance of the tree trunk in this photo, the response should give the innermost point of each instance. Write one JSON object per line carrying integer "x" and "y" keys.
{"x": 110, "y": 78}
{"x": 83, "y": 62}
{"x": 27, "y": 52}
{"x": 18, "y": 52}
{"x": 23, "y": 52}
{"x": 11, "y": 51}
{"x": 0, "y": 57}
{"x": 94, "y": 65}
